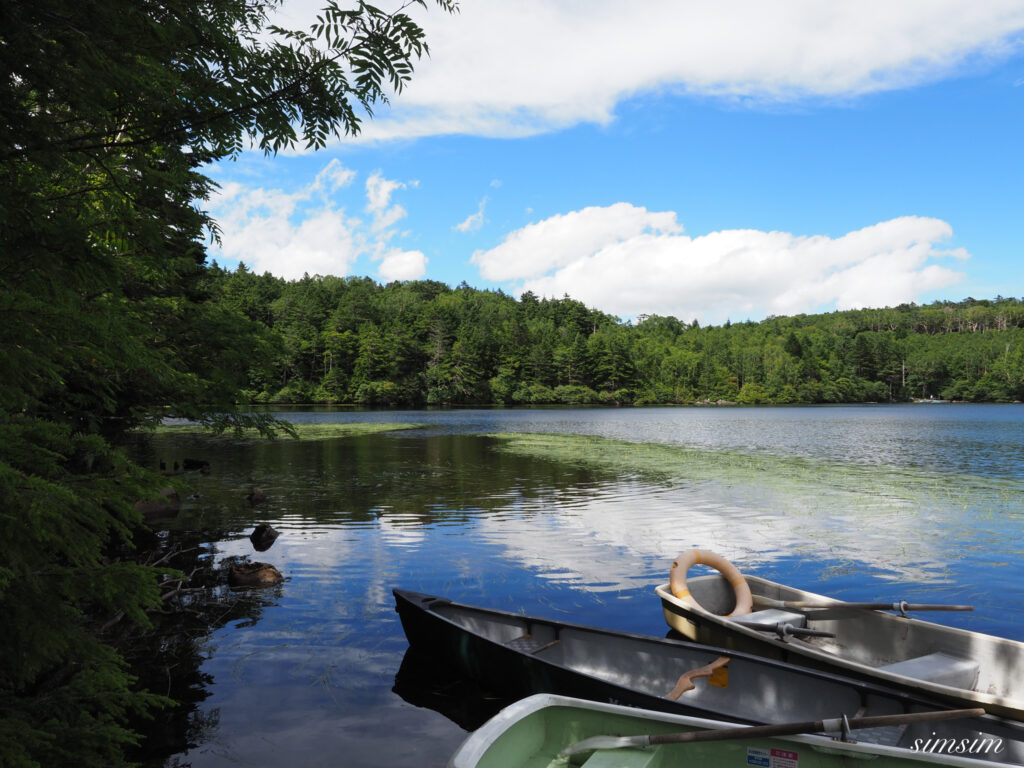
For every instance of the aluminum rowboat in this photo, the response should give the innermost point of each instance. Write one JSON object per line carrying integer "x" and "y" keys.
{"x": 955, "y": 666}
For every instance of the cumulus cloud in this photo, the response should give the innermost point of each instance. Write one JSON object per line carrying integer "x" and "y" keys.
{"x": 395, "y": 263}
{"x": 289, "y": 233}
{"x": 630, "y": 261}
{"x": 378, "y": 191}
{"x": 307, "y": 230}
{"x": 474, "y": 221}
{"x": 514, "y": 69}
{"x": 402, "y": 265}
{"x": 566, "y": 238}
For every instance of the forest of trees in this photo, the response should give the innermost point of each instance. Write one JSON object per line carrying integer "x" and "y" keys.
{"x": 351, "y": 340}
{"x": 109, "y": 114}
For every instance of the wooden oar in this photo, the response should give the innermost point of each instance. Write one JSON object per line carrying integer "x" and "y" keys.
{"x": 902, "y": 606}
{"x": 833, "y": 725}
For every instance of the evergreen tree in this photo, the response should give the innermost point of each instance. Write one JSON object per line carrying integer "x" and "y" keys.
{"x": 111, "y": 318}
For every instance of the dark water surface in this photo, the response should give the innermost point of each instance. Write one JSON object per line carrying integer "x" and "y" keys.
{"x": 868, "y": 503}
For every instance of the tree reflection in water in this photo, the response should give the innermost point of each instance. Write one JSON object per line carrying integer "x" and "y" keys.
{"x": 168, "y": 659}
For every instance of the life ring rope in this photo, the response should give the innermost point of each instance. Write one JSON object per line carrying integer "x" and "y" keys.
{"x": 691, "y": 557}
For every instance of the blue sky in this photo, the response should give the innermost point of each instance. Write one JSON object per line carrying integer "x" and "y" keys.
{"x": 708, "y": 160}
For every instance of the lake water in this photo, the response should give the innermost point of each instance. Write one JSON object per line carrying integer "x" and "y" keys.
{"x": 917, "y": 502}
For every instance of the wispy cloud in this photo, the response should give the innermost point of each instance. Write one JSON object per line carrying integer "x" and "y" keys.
{"x": 474, "y": 221}
{"x": 627, "y": 261}
{"x": 378, "y": 200}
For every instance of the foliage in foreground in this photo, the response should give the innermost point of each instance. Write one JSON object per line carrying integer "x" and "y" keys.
{"x": 351, "y": 340}
{"x": 108, "y": 111}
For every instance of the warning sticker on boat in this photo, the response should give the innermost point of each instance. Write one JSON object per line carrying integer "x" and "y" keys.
{"x": 772, "y": 758}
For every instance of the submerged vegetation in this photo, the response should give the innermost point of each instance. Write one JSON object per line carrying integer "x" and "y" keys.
{"x": 784, "y": 485}
{"x": 351, "y": 340}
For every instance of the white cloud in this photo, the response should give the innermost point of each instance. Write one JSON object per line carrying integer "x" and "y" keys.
{"x": 378, "y": 203}
{"x": 378, "y": 191}
{"x": 288, "y": 234}
{"x": 514, "y": 69}
{"x": 307, "y": 230}
{"x": 395, "y": 264}
{"x": 474, "y": 221}
{"x": 629, "y": 261}
{"x": 402, "y": 265}
{"x": 333, "y": 177}
{"x": 563, "y": 239}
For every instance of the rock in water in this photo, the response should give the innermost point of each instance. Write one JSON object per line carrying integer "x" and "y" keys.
{"x": 263, "y": 537}
{"x": 164, "y": 508}
{"x": 254, "y": 575}
{"x": 256, "y": 496}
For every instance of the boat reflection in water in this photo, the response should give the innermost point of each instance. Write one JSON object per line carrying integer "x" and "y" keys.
{"x": 426, "y": 682}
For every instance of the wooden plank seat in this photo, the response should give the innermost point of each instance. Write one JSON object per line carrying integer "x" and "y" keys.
{"x": 939, "y": 668}
{"x": 530, "y": 644}
{"x": 889, "y": 735}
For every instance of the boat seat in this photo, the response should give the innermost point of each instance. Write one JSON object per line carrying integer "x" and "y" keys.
{"x": 938, "y": 668}
{"x": 888, "y": 735}
{"x": 530, "y": 644}
{"x": 772, "y": 616}
{"x": 621, "y": 758}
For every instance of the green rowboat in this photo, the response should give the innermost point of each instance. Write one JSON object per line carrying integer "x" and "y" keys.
{"x": 545, "y": 731}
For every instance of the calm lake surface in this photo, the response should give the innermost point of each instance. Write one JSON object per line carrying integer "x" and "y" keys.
{"x": 917, "y": 502}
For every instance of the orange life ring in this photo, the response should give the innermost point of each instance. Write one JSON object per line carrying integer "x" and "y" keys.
{"x": 691, "y": 557}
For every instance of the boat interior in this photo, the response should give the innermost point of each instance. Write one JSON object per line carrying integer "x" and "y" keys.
{"x": 538, "y": 737}
{"x": 912, "y": 647}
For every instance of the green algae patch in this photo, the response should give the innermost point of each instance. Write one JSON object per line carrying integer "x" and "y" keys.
{"x": 654, "y": 460}
{"x": 793, "y": 485}
{"x": 302, "y": 431}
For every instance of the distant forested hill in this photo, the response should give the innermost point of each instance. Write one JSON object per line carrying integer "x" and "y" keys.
{"x": 351, "y": 340}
